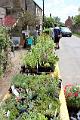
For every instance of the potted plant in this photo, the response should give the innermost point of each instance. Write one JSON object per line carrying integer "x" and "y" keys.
{"x": 36, "y": 95}
{"x": 72, "y": 95}
{"x": 42, "y": 56}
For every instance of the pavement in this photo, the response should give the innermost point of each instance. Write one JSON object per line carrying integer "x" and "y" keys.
{"x": 69, "y": 63}
{"x": 16, "y": 62}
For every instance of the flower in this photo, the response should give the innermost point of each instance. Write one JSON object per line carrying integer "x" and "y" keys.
{"x": 76, "y": 94}
{"x": 72, "y": 95}
{"x": 69, "y": 94}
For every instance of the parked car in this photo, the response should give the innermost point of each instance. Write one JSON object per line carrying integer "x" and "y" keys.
{"x": 66, "y": 32}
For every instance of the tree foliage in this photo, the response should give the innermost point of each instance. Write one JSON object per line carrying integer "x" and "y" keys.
{"x": 27, "y": 19}
{"x": 48, "y": 22}
{"x": 57, "y": 20}
{"x": 77, "y": 20}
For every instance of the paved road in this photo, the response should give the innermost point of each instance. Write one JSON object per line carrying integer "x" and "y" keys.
{"x": 69, "y": 63}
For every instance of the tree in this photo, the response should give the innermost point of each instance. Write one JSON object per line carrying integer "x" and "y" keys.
{"x": 76, "y": 25}
{"x": 27, "y": 19}
{"x": 48, "y": 22}
{"x": 57, "y": 20}
{"x": 77, "y": 20}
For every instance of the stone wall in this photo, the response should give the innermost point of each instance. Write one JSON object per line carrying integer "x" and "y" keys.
{"x": 31, "y": 7}
{"x": 4, "y": 3}
{"x": 15, "y": 8}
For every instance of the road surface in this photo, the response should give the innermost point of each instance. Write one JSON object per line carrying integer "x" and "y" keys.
{"x": 69, "y": 54}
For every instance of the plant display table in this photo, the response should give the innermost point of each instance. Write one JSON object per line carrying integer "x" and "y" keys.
{"x": 35, "y": 96}
{"x": 63, "y": 108}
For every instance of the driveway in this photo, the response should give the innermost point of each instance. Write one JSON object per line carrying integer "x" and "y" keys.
{"x": 69, "y": 64}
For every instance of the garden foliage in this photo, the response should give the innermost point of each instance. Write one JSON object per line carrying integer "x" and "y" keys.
{"x": 43, "y": 52}
{"x": 39, "y": 98}
{"x": 72, "y": 94}
{"x": 4, "y": 44}
{"x": 38, "y": 95}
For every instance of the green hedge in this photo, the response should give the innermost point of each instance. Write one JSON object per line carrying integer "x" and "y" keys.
{"x": 77, "y": 33}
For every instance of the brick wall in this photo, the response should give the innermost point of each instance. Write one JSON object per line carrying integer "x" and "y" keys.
{"x": 69, "y": 22}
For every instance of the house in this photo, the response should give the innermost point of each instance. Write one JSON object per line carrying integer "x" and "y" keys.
{"x": 2, "y": 15}
{"x": 69, "y": 22}
{"x": 39, "y": 16}
{"x": 34, "y": 9}
{"x": 15, "y": 8}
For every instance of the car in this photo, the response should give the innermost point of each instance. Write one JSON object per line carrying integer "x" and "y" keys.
{"x": 66, "y": 32}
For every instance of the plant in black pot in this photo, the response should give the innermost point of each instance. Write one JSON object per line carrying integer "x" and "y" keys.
{"x": 36, "y": 96}
{"x": 72, "y": 95}
{"x": 42, "y": 56}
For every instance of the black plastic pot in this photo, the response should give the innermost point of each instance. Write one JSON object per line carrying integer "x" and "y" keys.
{"x": 73, "y": 112}
{"x": 45, "y": 69}
{"x": 36, "y": 70}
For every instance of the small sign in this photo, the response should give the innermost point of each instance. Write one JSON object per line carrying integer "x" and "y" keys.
{"x": 30, "y": 41}
{"x": 16, "y": 41}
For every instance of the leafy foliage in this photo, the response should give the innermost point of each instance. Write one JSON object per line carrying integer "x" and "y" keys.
{"x": 48, "y": 22}
{"x": 2, "y": 113}
{"x": 42, "y": 52}
{"x": 76, "y": 25}
{"x": 33, "y": 116}
{"x": 72, "y": 94}
{"x": 38, "y": 94}
{"x": 4, "y": 44}
{"x": 27, "y": 19}
{"x": 3, "y": 38}
{"x": 77, "y": 19}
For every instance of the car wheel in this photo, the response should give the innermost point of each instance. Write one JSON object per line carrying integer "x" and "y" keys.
{"x": 70, "y": 35}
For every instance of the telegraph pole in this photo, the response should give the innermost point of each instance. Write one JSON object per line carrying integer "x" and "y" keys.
{"x": 43, "y": 14}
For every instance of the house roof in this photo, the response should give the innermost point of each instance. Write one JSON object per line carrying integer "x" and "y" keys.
{"x": 37, "y": 4}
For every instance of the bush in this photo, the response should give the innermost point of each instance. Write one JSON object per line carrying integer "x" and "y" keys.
{"x": 77, "y": 33}
{"x": 4, "y": 44}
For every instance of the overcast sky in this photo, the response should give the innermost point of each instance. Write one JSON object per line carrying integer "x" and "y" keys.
{"x": 60, "y": 8}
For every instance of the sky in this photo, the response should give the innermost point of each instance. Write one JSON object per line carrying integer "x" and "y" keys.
{"x": 60, "y": 8}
